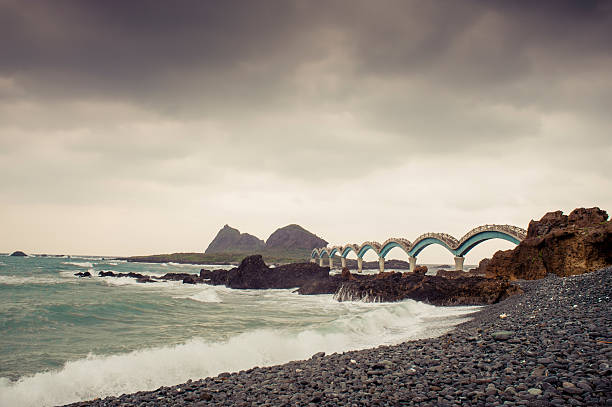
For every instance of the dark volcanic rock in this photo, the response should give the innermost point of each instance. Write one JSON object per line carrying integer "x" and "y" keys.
{"x": 106, "y": 274}
{"x": 254, "y": 273}
{"x": 432, "y": 289}
{"x": 346, "y": 274}
{"x": 176, "y": 276}
{"x": 230, "y": 240}
{"x": 145, "y": 279}
{"x": 19, "y": 253}
{"x": 558, "y": 244}
{"x": 321, "y": 286}
{"x": 294, "y": 237}
{"x": 130, "y": 275}
{"x": 83, "y": 274}
{"x": 214, "y": 277}
{"x": 422, "y": 270}
{"x": 191, "y": 279}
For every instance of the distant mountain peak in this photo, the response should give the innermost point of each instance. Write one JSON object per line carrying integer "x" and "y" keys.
{"x": 294, "y": 236}
{"x": 230, "y": 240}
{"x": 290, "y": 237}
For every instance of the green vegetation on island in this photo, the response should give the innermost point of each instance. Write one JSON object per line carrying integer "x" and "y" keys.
{"x": 289, "y": 244}
{"x": 270, "y": 257}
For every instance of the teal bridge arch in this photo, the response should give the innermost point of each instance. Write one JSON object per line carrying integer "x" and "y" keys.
{"x": 458, "y": 247}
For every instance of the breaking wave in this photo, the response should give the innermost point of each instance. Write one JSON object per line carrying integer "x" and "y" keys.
{"x": 148, "y": 369}
{"x": 78, "y": 264}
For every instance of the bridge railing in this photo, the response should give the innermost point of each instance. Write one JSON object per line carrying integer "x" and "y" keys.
{"x": 449, "y": 240}
{"x": 514, "y": 231}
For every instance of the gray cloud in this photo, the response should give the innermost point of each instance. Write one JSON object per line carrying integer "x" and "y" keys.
{"x": 125, "y": 102}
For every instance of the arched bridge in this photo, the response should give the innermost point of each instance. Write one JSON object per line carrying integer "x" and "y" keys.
{"x": 459, "y": 248}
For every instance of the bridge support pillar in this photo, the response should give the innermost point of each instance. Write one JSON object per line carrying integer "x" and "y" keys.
{"x": 381, "y": 264}
{"x": 343, "y": 260}
{"x": 412, "y": 261}
{"x": 320, "y": 261}
{"x": 459, "y": 263}
{"x": 331, "y": 262}
{"x": 359, "y": 264}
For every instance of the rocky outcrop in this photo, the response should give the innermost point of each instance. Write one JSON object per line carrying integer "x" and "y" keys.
{"x": 230, "y": 240}
{"x": 294, "y": 237}
{"x": 254, "y": 273}
{"x": 432, "y": 289}
{"x": 420, "y": 270}
{"x": 19, "y": 253}
{"x": 83, "y": 274}
{"x": 214, "y": 277}
{"x": 186, "y": 278}
{"x": 558, "y": 244}
{"x": 140, "y": 278}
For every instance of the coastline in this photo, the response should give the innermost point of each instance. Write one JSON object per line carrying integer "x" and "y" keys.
{"x": 552, "y": 348}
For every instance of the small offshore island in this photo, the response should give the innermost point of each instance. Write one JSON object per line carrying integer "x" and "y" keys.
{"x": 545, "y": 340}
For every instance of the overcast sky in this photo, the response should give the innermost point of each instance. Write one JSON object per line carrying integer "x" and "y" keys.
{"x": 144, "y": 126}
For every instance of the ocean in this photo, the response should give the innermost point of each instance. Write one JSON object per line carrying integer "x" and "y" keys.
{"x": 65, "y": 339}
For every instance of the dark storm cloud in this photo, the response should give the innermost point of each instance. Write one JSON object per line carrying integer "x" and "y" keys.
{"x": 255, "y": 110}
{"x": 234, "y": 50}
{"x": 290, "y": 76}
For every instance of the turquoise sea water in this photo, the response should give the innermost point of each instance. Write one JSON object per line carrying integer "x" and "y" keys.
{"x": 64, "y": 338}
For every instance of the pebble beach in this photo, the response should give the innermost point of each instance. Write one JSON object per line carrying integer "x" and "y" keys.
{"x": 550, "y": 346}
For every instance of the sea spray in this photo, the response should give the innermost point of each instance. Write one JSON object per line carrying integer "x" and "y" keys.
{"x": 147, "y": 369}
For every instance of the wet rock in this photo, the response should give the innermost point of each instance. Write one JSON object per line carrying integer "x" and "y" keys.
{"x": 253, "y": 273}
{"x": 145, "y": 279}
{"x": 432, "y": 289}
{"x": 83, "y": 274}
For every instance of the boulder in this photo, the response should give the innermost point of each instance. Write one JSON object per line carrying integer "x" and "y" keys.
{"x": 558, "y": 244}
{"x": 214, "y": 277}
{"x": 106, "y": 274}
{"x": 176, "y": 276}
{"x": 130, "y": 275}
{"x": 83, "y": 274}
{"x": 254, "y": 273}
{"x": 19, "y": 253}
{"x": 321, "y": 286}
{"x": 191, "y": 279}
{"x": 346, "y": 274}
{"x": 145, "y": 279}
{"x": 421, "y": 270}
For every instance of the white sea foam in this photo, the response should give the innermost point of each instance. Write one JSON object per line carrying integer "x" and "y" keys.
{"x": 129, "y": 281}
{"x": 147, "y": 369}
{"x": 21, "y": 280}
{"x": 209, "y": 294}
{"x": 78, "y": 264}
